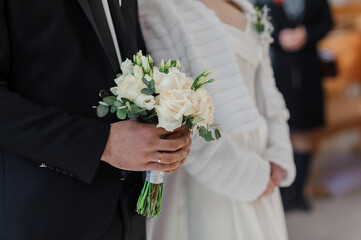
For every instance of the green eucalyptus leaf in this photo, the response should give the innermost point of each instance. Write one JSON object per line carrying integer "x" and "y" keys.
{"x": 208, "y": 137}
{"x": 145, "y": 81}
{"x": 203, "y": 129}
{"x": 125, "y": 100}
{"x": 110, "y": 100}
{"x": 153, "y": 114}
{"x": 113, "y": 109}
{"x": 122, "y": 114}
{"x": 197, "y": 120}
{"x": 217, "y": 133}
{"x": 102, "y": 110}
{"x": 152, "y": 83}
{"x": 117, "y": 104}
{"x": 103, "y": 103}
{"x": 143, "y": 113}
{"x": 147, "y": 91}
{"x": 133, "y": 115}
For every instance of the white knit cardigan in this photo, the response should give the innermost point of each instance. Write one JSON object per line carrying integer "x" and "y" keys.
{"x": 188, "y": 31}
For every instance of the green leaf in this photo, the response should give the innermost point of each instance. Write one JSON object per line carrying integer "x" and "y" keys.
{"x": 153, "y": 114}
{"x": 145, "y": 81}
{"x": 125, "y": 100}
{"x": 143, "y": 113}
{"x": 121, "y": 114}
{"x": 203, "y": 129}
{"x": 103, "y": 103}
{"x": 110, "y": 100}
{"x": 118, "y": 104}
{"x": 133, "y": 115}
{"x": 197, "y": 120}
{"x": 113, "y": 109}
{"x": 152, "y": 84}
{"x": 147, "y": 91}
{"x": 119, "y": 75}
{"x": 208, "y": 137}
{"x": 102, "y": 110}
{"x": 218, "y": 134}
{"x": 189, "y": 124}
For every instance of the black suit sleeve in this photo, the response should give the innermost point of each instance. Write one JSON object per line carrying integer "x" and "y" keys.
{"x": 71, "y": 144}
{"x": 319, "y": 28}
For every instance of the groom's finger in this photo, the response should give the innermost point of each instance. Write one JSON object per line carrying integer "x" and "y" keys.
{"x": 171, "y": 157}
{"x": 162, "y": 167}
{"x": 172, "y": 145}
{"x": 175, "y": 170}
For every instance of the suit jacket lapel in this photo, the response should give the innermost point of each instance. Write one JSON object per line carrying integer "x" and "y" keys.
{"x": 87, "y": 11}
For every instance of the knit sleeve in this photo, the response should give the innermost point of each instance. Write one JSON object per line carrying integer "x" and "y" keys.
{"x": 227, "y": 169}
{"x": 279, "y": 150}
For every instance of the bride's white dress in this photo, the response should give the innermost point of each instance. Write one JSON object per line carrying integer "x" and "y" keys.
{"x": 215, "y": 195}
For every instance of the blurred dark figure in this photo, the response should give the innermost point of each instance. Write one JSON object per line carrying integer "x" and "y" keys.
{"x": 299, "y": 25}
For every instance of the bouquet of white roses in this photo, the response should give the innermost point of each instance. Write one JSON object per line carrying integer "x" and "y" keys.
{"x": 164, "y": 96}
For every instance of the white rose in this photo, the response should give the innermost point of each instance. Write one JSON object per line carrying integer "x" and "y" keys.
{"x": 145, "y": 101}
{"x": 114, "y": 90}
{"x": 173, "y": 80}
{"x": 172, "y": 106}
{"x": 138, "y": 72}
{"x": 129, "y": 87}
{"x": 126, "y": 67}
{"x": 203, "y": 107}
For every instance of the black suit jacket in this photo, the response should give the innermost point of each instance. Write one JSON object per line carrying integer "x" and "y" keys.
{"x": 52, "y": 67}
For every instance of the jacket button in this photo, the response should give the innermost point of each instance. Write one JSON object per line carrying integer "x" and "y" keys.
{"x": 124, "y": 174}
{"x": 43, "y": 165}
{"x": 103, "y": 94}
{"x": 73, "y": 175}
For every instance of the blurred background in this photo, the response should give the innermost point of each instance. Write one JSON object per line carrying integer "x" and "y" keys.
{"x": 334, "y": 184}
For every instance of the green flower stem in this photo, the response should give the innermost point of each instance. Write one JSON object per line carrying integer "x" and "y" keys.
{"x": 150, "y": 199}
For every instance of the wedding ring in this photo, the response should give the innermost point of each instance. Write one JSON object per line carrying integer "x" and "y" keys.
{"x": 159, "y": 157}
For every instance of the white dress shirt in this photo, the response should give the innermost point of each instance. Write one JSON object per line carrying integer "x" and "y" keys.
{"x": 111, "y": 28}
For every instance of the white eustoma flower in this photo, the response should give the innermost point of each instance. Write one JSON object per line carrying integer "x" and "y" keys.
{"x": 138, "y": 72}
{"x": 145, "y": 101}
{"x": 126, "y": 67}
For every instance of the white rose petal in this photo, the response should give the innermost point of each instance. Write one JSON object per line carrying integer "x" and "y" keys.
{"x": 204, "y": 107}
{"x": 173, "y": 80}
{"x": 145, "y": 101}
{"x": 114, "y": 90}
{"x": 126, "y": 67}
{"x": 168, "y": 123}
{"x": 130, "y": 87}
{"x": 172, "y": 106}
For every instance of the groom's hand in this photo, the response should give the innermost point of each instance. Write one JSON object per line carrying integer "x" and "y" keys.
{"x": 136, "y": 146}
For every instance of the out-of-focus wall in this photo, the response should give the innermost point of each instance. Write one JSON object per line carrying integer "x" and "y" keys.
{"x": 345, "y": 42}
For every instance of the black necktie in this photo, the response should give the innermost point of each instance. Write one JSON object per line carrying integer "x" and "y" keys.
{"x": 97, "y": 9}
{"x": 120, "y": 26}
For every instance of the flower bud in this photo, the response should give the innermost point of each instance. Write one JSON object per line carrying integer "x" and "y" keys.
{"x": 145, "y": 64}
{"x": 178, "y": 65}
{"x": 162, "y": 66}
{"x": 138, "y": 61}
{"x": 150, "y": 60}
{"x": 139, "y": 53}
{"x": 168, "y": 64}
